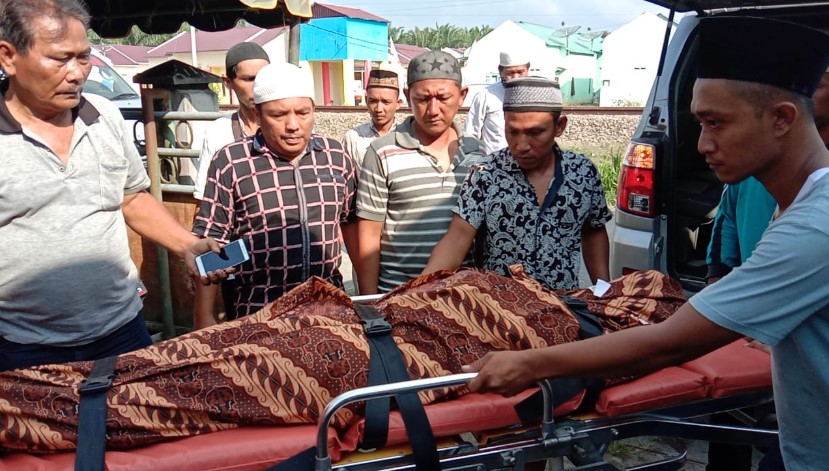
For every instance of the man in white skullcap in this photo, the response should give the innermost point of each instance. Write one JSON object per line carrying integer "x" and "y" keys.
{"x": 485, "y": 120}
{"x": 285, "y": 191}
{"x": 542, "y": 206}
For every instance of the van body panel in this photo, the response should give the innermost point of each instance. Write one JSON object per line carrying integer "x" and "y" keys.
{"x": 686, "y": 191}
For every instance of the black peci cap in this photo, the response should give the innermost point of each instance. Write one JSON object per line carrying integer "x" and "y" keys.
{"x": 773, "y": 52}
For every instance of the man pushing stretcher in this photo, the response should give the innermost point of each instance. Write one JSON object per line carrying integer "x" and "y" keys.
{"x": 751, "y": 97}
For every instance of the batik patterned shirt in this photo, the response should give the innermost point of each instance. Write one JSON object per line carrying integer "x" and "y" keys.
{"x": 546, "y": 239}
{"x": 288, "y": 213}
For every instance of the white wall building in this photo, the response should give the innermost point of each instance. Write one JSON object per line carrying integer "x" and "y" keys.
{"x": 572, "y": 60}
{"x": 482, "y": 57}
{"x": 630, "y": 59}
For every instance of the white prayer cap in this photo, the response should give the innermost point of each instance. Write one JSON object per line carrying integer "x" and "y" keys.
{"x": 513, "y": 58}
{"x": 282, "y": 80}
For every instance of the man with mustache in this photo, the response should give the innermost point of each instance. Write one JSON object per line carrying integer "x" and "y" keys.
{"x": 284, "y": 191}
{"x": 410, "y": 177}
{"x": 70, "y": 178}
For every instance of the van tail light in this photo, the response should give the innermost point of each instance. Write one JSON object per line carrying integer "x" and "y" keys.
{"x": 636, "y": 181}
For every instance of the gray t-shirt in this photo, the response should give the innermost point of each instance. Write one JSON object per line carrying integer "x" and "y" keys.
{"x": 66, "y": 276}
{"x": 780, "y": 296}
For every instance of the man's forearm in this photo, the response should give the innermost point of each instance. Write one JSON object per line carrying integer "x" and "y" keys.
{"x": 446, "y": 256}
{"x": 452, "y": 247}
{"x": 624, "y": 353}
{"x": 203, "y": 306}
{"x": 150, "y": 219}
{"x": 350, "y": 235}
{"x": 368, "y": 255}
{"x": 596, "y": 252}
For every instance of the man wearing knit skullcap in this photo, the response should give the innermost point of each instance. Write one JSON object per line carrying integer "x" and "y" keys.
{"x": 285, "y": 191}
{"x": 485, "y": 119}
{"x": 542, "y": 206}
{"x": 410, "y": 177}
{"x": 752, "y": 99}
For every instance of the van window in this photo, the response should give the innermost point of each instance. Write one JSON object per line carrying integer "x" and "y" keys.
{"x": 103, "y": 80}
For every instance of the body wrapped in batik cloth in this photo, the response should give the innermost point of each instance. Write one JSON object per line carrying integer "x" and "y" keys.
{"x": 283, "y": 364}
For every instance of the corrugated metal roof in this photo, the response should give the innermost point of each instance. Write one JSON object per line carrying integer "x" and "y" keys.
{"x": 216, "y": 40}
{"x": 407, "y": 52}
{"x": 120, "y": 54}
{"x": 325, "y": 10}
{"x": 552, "y": 37}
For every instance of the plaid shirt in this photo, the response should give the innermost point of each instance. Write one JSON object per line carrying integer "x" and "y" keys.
{"x": 288, "y": 214}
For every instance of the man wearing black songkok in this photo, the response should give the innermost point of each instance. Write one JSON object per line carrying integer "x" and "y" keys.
{"x": 752, "y": 100}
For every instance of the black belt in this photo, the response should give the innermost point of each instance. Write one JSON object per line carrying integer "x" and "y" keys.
{"x": 386, "y": 365}
{"x": 93, "y": 391}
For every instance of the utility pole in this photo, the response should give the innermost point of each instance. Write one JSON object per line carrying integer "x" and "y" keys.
{"x": 293, "y": 42}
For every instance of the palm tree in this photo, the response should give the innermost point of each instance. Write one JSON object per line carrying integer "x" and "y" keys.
{"x": 396, "y": 34}
{"x": 440, "y": 36}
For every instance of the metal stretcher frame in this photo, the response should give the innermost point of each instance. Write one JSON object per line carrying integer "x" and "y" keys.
{"x": 582, "y": 440}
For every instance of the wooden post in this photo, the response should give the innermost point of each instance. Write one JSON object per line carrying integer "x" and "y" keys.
{"x": 293, "y": 43}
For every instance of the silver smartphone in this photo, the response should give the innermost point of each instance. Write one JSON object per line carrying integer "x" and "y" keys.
{"x": 231, "y": 255}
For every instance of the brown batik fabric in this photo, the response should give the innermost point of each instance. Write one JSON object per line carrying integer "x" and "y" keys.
{"x": 641, "y": 298}
{"x": 283, "y": 364}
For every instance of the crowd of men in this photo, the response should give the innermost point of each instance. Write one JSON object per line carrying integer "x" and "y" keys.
{"x": 405, "y": 198}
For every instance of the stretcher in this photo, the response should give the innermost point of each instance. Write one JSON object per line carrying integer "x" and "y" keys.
{"x": 483, "y": 431}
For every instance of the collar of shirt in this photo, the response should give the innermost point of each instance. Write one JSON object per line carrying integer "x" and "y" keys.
{"x": 258, "y": 145}
{"x": 85, "y": 111}
{"x": 374, "y": 130}
{"x": 511, "y": 166}
{"x": 404, "y": 137}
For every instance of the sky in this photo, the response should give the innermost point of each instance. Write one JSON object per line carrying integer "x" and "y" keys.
{"x": 597, "y": 15}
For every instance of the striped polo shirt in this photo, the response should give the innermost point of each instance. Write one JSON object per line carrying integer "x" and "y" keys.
{"x": 403, "y": 186}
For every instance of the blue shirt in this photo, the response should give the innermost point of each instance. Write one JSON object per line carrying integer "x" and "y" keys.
{"x": 780, "y": 296}
{"x": 744, "y": 214}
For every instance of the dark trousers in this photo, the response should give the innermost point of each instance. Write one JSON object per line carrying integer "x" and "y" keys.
{"x": 773, "y": 460}
{"x": 727, "y": 456}
{"x": 131, "y": 336}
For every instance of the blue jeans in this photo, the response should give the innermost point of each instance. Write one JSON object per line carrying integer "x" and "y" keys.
{"x": 132, "y": 336}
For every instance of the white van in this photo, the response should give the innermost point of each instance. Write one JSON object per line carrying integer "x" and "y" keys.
{"x": 668, "y": 196}
{"x": 103, "y": 80}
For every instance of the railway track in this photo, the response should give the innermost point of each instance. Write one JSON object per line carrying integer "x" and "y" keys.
{"x": 568, "y": 110}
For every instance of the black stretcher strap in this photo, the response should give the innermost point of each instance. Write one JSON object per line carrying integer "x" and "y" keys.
{"x": 376, "y": 425}
{"x": 531, "y": 409}
{"x": 93, "y": 391}
{"x": 386, "y": 365}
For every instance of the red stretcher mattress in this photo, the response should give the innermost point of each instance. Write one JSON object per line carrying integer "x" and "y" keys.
{"x": 730, "y": 370}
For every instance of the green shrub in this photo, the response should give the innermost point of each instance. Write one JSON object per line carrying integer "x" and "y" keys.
{"x": 610, "y": 166}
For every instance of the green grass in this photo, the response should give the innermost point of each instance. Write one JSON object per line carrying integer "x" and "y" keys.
{"x": 609, "y": 163}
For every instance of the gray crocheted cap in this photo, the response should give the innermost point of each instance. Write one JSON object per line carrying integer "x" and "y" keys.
{"x": 532, "y": 94}
{"x": 434, "y": 65}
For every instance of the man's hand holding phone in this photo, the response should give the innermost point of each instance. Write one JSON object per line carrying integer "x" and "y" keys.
{"x": 215, "y": 266}
{"x": 203, "y": 247}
